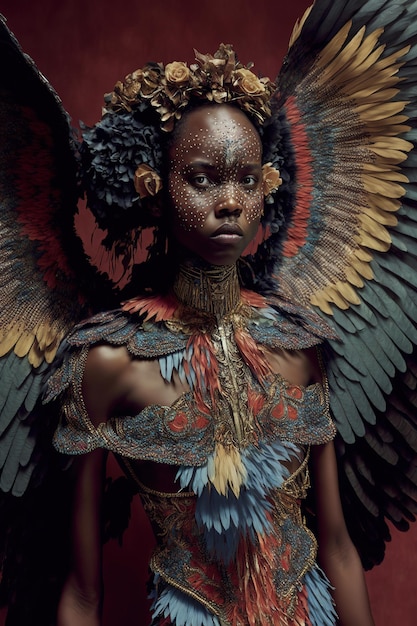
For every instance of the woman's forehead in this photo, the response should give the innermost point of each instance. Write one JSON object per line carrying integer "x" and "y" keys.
{"x": 217, "y": 132}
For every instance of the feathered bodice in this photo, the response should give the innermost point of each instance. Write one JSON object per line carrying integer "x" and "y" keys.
{"x": 234, "y": 399}
{"x": 187, "y": 431}
{"x": 240, "y": 438}
{"x": 241, "y": 560}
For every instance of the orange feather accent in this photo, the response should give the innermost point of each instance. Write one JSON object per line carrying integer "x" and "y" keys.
{"x": 159, "y": 308}
{"x": 253, "y": 355}
{"x": 260, "y": 604}
{"x": 254, "y": 299}
{"x": 205, "y": 365}
{"x": 256, "y": 401}
{"x": 297, "y": 231}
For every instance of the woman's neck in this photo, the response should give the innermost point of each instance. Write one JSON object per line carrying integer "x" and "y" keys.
{"x": 214, "y": 289}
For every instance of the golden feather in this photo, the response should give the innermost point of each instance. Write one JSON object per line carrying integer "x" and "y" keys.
{"x": 229, "y": 471}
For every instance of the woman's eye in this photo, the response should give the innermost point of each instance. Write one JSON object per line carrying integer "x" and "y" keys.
{"x": 250, "y": 181}
{"x": 201, "y": 181}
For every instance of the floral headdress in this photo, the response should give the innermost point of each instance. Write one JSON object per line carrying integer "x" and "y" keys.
{"x": 170, "y": 88}
{"x": 122, "y": 155}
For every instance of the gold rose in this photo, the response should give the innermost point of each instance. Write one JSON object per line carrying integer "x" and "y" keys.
{"x": 147, "y": 182}
{"x": 247, "y": 82}
{"x": 271, "y": 179}
{"x": 177, "y": 73}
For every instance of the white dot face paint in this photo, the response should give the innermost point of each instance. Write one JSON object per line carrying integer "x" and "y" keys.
{"x": 215, "y": 183}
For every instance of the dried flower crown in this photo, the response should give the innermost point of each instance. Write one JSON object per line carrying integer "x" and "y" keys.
{"x": 170, "y": 88}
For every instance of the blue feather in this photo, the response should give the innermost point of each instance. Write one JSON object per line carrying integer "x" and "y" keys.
{"x": 182, "y": 609}
{"x": 321, "y": 607}
{"x": 163, "y": 368}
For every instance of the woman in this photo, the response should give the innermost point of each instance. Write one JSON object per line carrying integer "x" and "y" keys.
{"x": 211, "y": 395}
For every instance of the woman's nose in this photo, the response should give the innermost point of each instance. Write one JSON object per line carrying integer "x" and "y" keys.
{"x": 229, "y": 203}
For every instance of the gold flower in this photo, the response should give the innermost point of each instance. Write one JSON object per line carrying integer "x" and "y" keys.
{"x": 151, "y": 80}
{"x": 147, "y": 181}
{"x": 125, "y": 93}
{"x": 271, "y": 179}
{"x": 247, "y": 82}
{"x": 177, "y": 73}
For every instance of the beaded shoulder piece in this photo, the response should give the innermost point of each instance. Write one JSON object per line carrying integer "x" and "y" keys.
{"x": 220, "y": 363}
{"x": 149, "y": 327}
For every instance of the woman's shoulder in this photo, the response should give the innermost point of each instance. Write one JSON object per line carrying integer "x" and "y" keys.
{"x": 142, "y": 332}
{"x": 106, "y": 360}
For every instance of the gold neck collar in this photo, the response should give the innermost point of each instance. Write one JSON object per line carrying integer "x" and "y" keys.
{"x": 214, "y": 289}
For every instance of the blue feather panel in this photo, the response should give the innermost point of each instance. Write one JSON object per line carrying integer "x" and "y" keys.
{"x": 226, "y": 519}
{"x": 182, "y": 609}
{"x": 321, "y": 607}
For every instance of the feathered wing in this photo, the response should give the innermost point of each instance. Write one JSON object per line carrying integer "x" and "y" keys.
{"x": 43, "y": 276}
{"x": 39, "y": 289}
{"x": 348, "y": 245}
{"x": 44, "y": 272}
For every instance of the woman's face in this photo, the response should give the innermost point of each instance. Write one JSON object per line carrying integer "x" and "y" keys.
{"x": 215, "y": 183}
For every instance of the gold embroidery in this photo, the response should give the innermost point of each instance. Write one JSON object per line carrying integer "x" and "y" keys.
{"x": 214, "y": 290}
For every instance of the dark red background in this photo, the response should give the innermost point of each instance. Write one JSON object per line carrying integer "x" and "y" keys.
{"x": 83, "y": 47}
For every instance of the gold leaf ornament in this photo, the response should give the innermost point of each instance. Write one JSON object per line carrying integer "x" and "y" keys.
{"x": 147, "y": 182}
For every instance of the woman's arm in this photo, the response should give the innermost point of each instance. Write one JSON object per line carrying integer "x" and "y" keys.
{"x": 103, "y": 389}
{"x": 81, "y": 598}
{"x": 337, "y": 554}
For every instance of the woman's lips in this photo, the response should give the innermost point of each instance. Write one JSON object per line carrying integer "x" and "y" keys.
{"x": 227, "y": 232}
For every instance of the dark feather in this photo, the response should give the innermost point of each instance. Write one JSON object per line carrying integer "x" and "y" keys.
{"x": 372, "y": 367}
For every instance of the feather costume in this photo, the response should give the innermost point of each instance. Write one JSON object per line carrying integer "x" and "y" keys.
{"x": 233, "y": 547}
{"x": 337, "y": 252}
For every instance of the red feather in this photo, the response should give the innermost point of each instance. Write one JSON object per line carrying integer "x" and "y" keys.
{"x": 38, "y": 198}
{"x": 297, "y": 231}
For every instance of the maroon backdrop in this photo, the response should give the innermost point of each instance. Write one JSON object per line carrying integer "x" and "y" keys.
{"x": 83, "y": 47}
